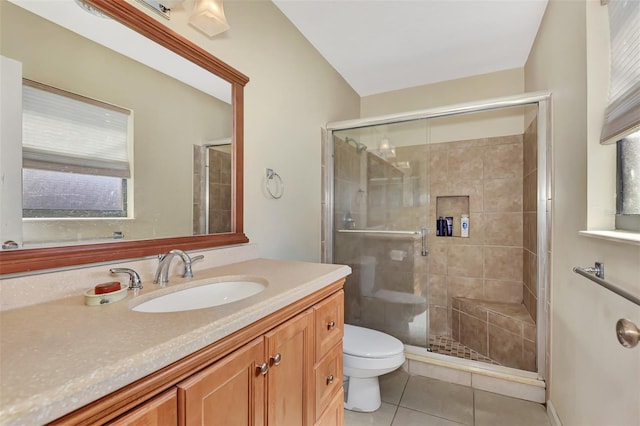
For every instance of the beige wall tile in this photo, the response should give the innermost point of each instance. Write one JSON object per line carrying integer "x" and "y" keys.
{"x": 505, "y": 347}
{"x": 529, "y": 231}
{"x": 437, "y": 164}
{"x": 503, "y": 229}
{"x": 437, "y": 293}
{"x": 471, "y": 288}
{"x": 503, "y": 195}
{"x": 503, "y": 263}
{"x": 503, "y": 291}
{"x": 438, "y": 258}
{"x": 465, "y": 163}
{"x": 529, "y": 332}
{"x": 530, "y": 192}
{"x": 528, "y": 361}
{"x": 507, "y": 323}
{"x": 473, "y": 333}
{"x": 455, "y": 324}
{"x": 530, "y": 148}
{"x": 474, "y": 189}
{"x": 473, "y": 309}
{"x": 438, "y": 323}
{"x": 465, "y": 261}
{"x": 502, "y": 161}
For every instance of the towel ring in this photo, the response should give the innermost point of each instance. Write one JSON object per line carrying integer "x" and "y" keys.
{"x": 274, "y": 184}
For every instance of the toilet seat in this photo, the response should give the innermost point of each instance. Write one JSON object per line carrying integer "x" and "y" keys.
{"x": 365, "y": 343}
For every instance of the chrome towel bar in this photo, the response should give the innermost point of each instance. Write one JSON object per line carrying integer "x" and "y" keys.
{"x": 588, "y": 273}
{"x": 378, "y": 231}
{"x": 627, "y": 332}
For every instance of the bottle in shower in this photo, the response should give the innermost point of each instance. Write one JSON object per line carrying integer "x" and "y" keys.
{"x": 464, "y": 226}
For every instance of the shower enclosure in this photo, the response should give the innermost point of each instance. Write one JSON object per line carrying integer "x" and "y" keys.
{"x": 391, "y": 181}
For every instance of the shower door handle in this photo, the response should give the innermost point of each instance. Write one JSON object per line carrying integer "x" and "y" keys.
{"x": 424, "y": 231}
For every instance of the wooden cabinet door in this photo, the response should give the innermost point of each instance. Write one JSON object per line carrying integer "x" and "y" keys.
{"x": 290, "y": 395}
{"x": 161, "y": 411}
{"x": 230, "y": 392}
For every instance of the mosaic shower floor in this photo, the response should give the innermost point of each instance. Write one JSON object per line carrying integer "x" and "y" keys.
{"x": 447, "y": 346}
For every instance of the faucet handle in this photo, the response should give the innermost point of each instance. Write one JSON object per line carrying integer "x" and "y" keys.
{"x": 135, "y": 283}
{"x": 188, "y": 272}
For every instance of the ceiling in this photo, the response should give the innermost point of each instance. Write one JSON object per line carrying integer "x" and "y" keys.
{"x": 383, "y": 45}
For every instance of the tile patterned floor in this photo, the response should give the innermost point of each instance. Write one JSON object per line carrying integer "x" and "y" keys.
{"x": 447, "y": 346}
{"x": 415, "y": 400}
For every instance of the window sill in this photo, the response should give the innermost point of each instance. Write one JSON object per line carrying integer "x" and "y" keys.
{"x": 624, "y": 237}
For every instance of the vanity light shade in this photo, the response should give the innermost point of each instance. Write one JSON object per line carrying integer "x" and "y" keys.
{"x": 208, "y": 17}
{"x": 170, "y": 4}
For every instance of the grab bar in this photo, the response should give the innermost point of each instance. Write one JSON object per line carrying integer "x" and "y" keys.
{"x": 627, "y": 332}
{"x": 598, "y": 279}
{"x": 378, "y": 231}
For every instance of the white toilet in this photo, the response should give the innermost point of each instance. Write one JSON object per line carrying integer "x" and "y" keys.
{"x": 367, "y": 354}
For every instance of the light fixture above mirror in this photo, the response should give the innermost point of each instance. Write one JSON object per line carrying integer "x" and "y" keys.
{"x": 207, "y": 16}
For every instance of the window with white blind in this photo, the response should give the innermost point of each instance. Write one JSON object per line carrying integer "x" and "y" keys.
{"x": 76, "y": 155}
{"x": 622, "y": 120}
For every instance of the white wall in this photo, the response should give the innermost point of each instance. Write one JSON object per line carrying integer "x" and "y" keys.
{"x": 594, "y": 380}
{"x": 292, "y": 93}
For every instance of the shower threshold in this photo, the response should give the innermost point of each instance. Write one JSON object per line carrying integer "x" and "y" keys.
{"x": 445, "y": 345}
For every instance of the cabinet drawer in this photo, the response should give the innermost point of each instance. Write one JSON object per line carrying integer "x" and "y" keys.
{"x": 328, "y": 378}
{"x": 329, "y": 323}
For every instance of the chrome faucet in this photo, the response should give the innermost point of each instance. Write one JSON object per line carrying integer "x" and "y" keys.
{"x": 162, "y": 273}
{"x": 135, "y": 283}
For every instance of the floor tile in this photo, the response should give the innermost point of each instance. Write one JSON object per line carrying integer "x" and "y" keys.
{"x": 441, "y": 399}
{"x": 392, "y": 386}
{"x": 497, "y": 410}
{"x": 406, "y": 417}
{"x": 382, "y": 417}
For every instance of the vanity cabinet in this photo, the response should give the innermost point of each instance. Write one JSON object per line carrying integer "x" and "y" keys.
{"x": 161, "y": 410}
{"x": 285, "y": 369}
{"x": 275, "y": 369}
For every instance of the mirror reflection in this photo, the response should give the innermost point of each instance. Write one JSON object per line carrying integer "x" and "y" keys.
{"x": 158, "y": 189}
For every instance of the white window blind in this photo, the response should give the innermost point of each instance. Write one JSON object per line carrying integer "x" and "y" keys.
{"x": 66, "y": 132}
{"x": 623, "y": 113}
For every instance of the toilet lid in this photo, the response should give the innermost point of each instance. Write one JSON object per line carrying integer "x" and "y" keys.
{"x": 367, "y": 343}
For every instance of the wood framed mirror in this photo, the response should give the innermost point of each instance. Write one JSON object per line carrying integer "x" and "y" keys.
{"x": 26, "y": 260}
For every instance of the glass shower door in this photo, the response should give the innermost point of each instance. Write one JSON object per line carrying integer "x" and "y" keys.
{"x": 380, "y": 209}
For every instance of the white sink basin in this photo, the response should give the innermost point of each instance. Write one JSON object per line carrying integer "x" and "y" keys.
{"x": 203, "y": 296}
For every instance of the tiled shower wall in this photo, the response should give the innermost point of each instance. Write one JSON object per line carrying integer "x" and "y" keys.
{"x": 530, "y": 219}
{"x": 488, "y": 264}
{"x": 219, "y": 190}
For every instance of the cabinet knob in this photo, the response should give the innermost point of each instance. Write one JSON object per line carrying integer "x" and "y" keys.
{"x": 263, "y": 368}
{"x": 275, "y": 359}
{"x": 330, "y": 379}
{"x": 331, "y": 325}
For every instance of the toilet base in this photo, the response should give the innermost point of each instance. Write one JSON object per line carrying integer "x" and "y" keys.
{"x": 363, "y": 394}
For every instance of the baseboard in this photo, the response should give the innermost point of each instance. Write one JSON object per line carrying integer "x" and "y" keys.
{"x": 552, "y": 414}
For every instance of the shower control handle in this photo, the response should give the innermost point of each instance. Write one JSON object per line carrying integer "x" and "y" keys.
{"x": 331, "y": 325}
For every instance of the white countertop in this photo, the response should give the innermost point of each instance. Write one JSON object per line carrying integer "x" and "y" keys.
{"x": 58, "y": 356}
